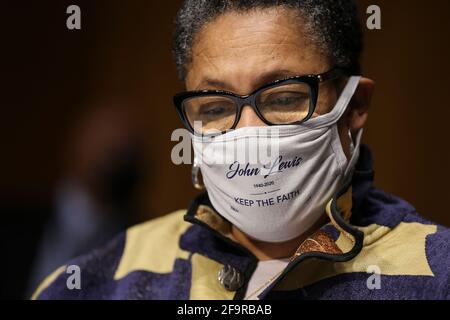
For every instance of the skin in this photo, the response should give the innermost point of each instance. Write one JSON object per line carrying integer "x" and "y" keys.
{"x": 239, "y": 52}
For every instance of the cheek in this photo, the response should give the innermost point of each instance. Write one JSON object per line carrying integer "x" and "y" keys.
{"x": 328, "y": 97}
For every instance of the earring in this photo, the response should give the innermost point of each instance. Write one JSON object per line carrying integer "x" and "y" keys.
{"x": 352, "y": 142}
{"x": 194, "y": 175}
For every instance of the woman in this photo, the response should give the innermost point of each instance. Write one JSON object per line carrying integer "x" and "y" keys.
{"x": 303, "y": 222}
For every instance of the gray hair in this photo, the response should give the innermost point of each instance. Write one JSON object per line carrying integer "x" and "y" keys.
{"x": 332, "y": 25}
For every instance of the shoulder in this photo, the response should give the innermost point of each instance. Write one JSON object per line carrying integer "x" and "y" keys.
{"x": 437, "y": 249}
{"x": 151, "y": 246}
{"x": 412, "y": 244}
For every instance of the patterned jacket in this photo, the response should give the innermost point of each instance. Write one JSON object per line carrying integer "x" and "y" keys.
{"x": 375, "y": 246}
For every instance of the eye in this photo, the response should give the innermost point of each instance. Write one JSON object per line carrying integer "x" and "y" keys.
{"x": 212, "y": 109}
{"x": 285, "y": 99}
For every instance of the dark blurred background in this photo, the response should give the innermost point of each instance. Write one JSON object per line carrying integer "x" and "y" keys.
{"x": 87, "y": 118}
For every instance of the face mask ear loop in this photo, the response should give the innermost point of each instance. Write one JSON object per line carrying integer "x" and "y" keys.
{"x": 352, "y": 143}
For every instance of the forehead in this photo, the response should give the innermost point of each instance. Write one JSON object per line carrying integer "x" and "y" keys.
{"x": 241, "y": 47}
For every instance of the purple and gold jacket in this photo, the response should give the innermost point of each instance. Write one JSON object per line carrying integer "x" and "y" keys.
{"x": 375, "y": 246}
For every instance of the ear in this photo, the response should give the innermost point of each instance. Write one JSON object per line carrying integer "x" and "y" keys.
{"x": 359, "y": 105}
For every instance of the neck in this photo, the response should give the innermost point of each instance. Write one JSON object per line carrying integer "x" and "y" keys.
{"x": 270, "y": 251}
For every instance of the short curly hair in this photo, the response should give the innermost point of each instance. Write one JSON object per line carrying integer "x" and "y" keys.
{"x": 332, "y": 25}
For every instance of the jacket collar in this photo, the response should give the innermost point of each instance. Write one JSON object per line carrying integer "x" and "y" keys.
{"x": 322, "y": 244}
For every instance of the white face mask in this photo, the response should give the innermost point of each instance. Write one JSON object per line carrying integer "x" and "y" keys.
{"x": 280, "y": 198}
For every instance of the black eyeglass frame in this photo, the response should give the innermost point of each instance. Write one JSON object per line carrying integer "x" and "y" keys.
{"x": 312, "y": 80}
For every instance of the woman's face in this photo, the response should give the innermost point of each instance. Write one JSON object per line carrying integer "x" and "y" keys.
{"x": 239, "y": 52}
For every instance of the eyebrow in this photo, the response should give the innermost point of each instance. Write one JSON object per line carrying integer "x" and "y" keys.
{"x": 262, "y": 79}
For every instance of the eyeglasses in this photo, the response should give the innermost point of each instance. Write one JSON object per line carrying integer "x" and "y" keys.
{"x": 282, "y": 102}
